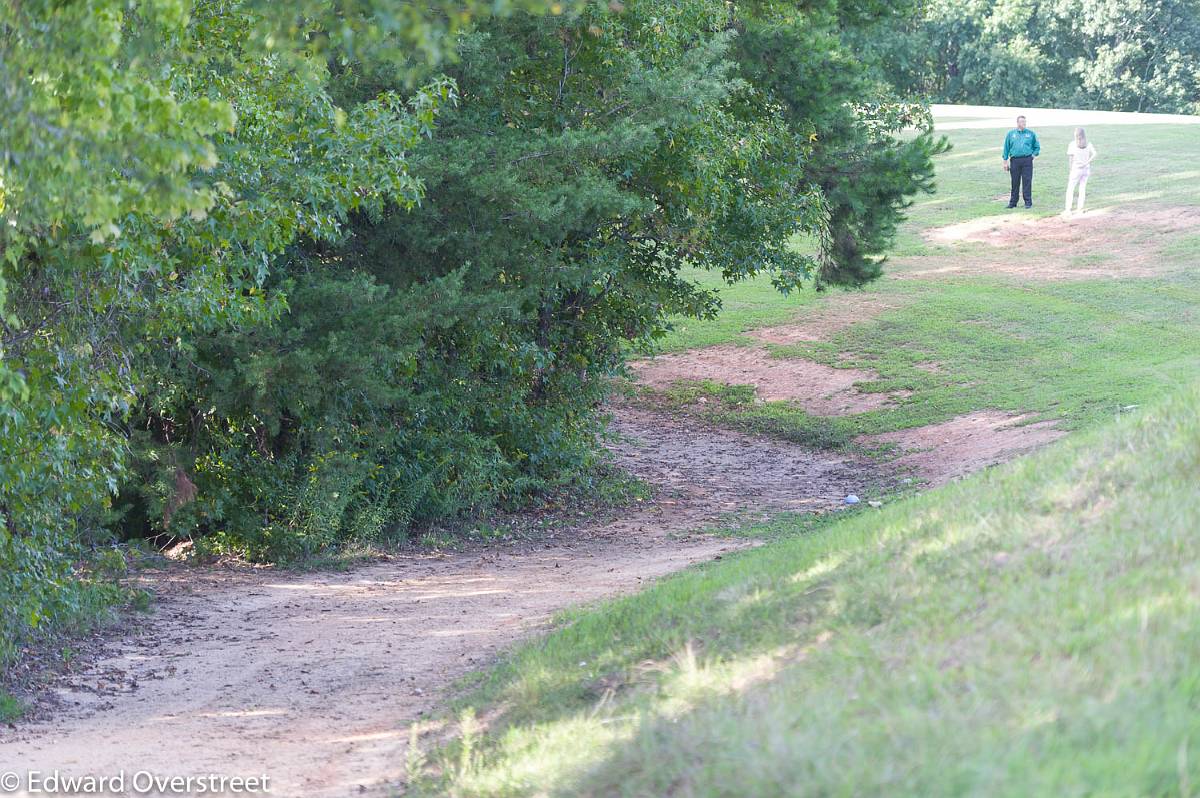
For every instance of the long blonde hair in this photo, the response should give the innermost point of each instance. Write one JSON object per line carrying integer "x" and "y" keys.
{"x": 1080, "y": 138}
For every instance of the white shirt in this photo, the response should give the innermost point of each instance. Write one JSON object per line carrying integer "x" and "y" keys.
{"x": 1082, "y": 157}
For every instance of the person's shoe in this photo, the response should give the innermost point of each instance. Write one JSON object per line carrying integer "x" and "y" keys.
{"x": 1028, "y": 204}
{"x": 1012, "y": 206}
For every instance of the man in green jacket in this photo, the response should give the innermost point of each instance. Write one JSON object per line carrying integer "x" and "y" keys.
{"x": 1021, "y": 146}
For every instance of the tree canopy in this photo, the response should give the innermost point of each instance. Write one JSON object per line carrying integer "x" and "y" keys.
{"x": 277, "y": 282}
{"x": 1117, "y": 55}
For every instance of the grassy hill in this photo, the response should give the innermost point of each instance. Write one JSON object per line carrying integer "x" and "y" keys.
{"x": 1032, "y": 630}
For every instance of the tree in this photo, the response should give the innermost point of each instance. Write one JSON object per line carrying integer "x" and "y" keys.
{"x": 451, "y": 356}
{"x": 865, "y": 169}
{"x": 252, "y": 293}
{"x": 1107, "y": 54}
{"x": 591, "y": 157}
{"x": 156, "y": 158}
{"x": 1136, "y": 56}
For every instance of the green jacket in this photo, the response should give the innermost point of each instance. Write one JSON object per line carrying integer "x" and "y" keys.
{"x": 1019, "y": 143}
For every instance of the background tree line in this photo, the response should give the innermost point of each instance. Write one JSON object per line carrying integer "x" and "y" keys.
{"x": 1116, "y": 55}
{"x": 276, "y": 283}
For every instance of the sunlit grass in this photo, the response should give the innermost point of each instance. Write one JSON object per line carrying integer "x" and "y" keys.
{"x": 1030, "y": 631}
{"x": 745, "y": 306}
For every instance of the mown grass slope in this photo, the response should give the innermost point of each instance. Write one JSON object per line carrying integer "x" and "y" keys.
{"x": 1033, "y": 630}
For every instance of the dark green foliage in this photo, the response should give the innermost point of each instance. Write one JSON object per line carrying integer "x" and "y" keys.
{"x": 865, "y": 170}
{"x": 450, "y": 357}
{"x": 1117, "y": 55}
{"x": 265, "y": 304}
{"x": 156, "y": 158}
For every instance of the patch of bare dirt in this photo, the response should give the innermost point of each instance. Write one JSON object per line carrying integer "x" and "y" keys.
{"x": 1106, "y": 242}
{"x": 963, "y": 445}
{"x": 315, "y": 679}
{"x": 821, "y": 323}
{"x": 708, "y": 472}
{"x": 819, "y": 389}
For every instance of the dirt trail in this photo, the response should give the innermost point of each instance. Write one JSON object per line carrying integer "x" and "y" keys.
{"x": 315, "y": 679}
{"x": 965, "y": 444}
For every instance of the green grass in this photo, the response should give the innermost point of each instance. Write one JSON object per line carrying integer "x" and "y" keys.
{"x": 744, "y": 306}
{"x": 1033, "y": 630}
{"x": 1077, "y": 351}
{"x": 11, "y": 708}
{"x": 735, "y": 406}
{"x": 1133, "y": 168}
{"x": 1185, "y": 249}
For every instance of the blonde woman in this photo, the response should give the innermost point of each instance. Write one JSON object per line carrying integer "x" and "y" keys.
{"x": 1080, "y": 154}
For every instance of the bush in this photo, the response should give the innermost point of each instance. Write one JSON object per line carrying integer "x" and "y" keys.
{"x": 264, "y": 305}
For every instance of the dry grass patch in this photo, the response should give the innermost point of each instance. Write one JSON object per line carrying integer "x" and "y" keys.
{"x": 1106, "y": 242}
{"x": 815, "y": 387}
{"x": 962, "y": 445}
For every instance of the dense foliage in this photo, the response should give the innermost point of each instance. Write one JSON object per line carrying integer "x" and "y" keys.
{"x": 274, "y": 285}
{"x": 1119, "y": 55}
{"x": 156, "y": 158}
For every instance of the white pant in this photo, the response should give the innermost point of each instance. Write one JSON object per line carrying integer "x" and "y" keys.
{"x": 1079, "y": 177}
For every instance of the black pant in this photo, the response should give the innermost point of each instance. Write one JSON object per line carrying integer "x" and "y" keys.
{"x": 1021, "y": 171}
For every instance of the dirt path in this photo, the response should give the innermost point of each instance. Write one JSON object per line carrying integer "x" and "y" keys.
{"x": 314, "y": 680}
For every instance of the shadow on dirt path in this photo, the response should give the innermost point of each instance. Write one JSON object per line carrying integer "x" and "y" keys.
{"x": 314, "y": 679}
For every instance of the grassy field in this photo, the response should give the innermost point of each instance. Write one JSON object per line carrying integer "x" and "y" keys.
{"x": 1004, "y": 330}
{"x": 1032, "y": 630}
